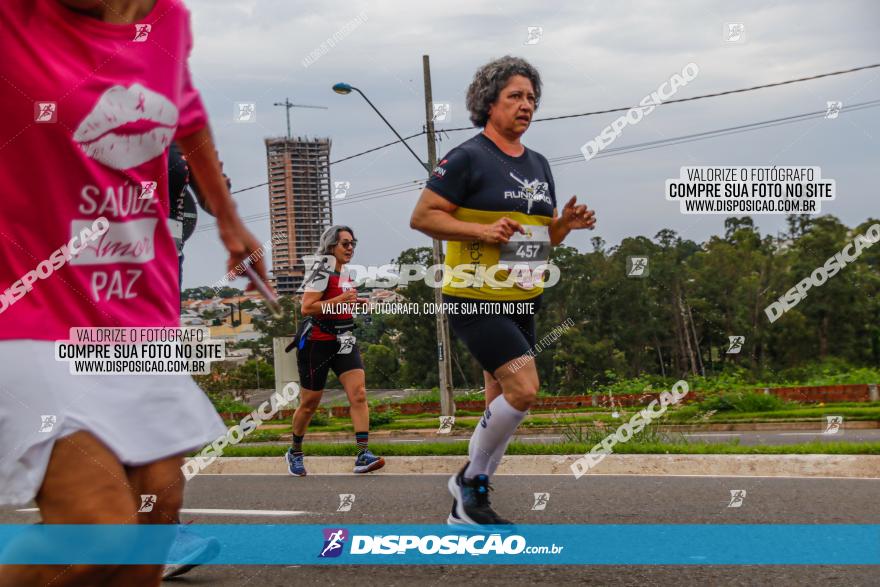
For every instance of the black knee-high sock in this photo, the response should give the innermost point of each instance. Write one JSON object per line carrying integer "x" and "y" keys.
{"x": 297, "y": 445}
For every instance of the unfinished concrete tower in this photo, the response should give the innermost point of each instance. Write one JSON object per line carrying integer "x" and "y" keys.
{"x": 299, "y": 204}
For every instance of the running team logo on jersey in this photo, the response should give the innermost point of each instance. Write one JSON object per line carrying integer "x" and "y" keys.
{"x": 531, "y": 191}
{"x": 334, "y": 540}
{"x": 439, "y": 171}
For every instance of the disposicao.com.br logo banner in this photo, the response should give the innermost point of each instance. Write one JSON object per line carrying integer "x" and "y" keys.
{"x": 448, "y": 542}
{"x": 399, "y": 544}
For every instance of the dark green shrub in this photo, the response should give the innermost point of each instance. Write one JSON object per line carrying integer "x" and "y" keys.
{"x": 378, "y": 418}
{"x": 742, "y": 402}
{"x": 320, "y": 418}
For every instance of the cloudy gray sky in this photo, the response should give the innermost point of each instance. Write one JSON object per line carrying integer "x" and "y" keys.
{"x": 592, "y": 55}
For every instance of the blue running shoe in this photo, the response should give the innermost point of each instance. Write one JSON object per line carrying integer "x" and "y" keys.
{"x": 453, "y": 518}
{"x": 471, "y": 501}
{"x": 295, "y": 464}
{"x": 188, "y": 551}
{"x": 367, "y": 461}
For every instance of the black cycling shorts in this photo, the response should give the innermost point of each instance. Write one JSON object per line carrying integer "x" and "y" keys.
{"x": 493, "y": 338}
{"x": 317, "y": 357}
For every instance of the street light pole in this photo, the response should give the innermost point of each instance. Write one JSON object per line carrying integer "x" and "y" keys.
{"x": 347, "y": 88}
{"x": 444, "y": 359}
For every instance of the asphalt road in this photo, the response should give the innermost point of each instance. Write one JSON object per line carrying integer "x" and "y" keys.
{"x": 385, "y": 499}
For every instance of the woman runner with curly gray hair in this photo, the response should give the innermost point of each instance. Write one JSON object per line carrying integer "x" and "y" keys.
{"x": 494, "y": 200}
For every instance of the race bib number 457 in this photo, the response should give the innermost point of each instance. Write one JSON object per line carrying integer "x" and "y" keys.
{"x": 532, "y": 248}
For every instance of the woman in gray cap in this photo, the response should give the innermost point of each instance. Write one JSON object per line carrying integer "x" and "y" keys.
{"x": 326, "y": 342}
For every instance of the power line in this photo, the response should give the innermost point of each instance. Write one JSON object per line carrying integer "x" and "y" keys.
{"x": 626, "y": 108}
{"x": 403, "y": 187}
{"x": 250, "y": 188}
{"x": 672, "y": 141}
{"x": 568, "y": 159}
{"x": 611, "y": 152}
{"x": 418, "y": 134}
{"x": 618, "y": 109}
{"x": 408, "y": 186}
{"x": 358, "y": 201}
{"x": 716, "y": 94}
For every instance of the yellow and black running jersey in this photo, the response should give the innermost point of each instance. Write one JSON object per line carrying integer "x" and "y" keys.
{"x": 487, "y": 184}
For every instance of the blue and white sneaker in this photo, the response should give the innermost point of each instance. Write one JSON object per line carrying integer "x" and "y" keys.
{"x": 188, "y": 551}
{"x": 471, "y": 501}
{"x": 453, "y": 518}
{"x": 367, "y": 461}
{"x": 295, "y": 464}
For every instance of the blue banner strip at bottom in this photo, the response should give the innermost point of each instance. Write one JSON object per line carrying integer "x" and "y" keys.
{"x": 651, "y": 544}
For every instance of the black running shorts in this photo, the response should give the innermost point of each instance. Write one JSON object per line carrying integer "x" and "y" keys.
{"x": 317, "y": 357}
{"x": 493, "y": 338}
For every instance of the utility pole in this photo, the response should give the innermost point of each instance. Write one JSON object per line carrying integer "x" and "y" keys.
{"x": 288, "y": 105}
{"x": 235, "y": 323}
{"x": 444, "y": 360}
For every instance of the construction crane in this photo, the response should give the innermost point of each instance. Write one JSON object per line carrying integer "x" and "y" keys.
{"x": 288, "y": 105}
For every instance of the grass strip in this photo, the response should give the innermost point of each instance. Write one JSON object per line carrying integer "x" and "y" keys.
{"x": 520, "y": 448}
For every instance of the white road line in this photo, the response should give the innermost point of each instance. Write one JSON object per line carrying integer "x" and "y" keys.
{"x": 446, "y": 475}
{"x": 222, "y": 512}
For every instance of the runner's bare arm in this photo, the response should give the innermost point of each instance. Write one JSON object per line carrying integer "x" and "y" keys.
{"x": 433, "y": 216}
{"x": 574, "y": 217}
{"x": 201, "y": 156}
{"x": 313, "y": 305}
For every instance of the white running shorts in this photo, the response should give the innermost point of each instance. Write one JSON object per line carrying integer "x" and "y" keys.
{"x": 141, "y": 418}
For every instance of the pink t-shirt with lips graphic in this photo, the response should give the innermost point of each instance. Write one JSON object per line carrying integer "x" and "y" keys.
{"x": 87, "y": 112}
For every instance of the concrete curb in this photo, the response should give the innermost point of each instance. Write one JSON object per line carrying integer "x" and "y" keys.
{"x": 855, "y": 466}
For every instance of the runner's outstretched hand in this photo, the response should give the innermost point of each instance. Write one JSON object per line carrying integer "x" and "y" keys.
{"x": 240, "y": 243}
{"x": 576, "y": 216}
{"x": 501, "y": 230}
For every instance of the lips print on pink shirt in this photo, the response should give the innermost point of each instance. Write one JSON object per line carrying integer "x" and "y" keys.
{"x": 152, "y": 120}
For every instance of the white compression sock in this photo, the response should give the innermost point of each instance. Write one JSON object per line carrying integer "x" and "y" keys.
{"x": 496, "y": 457}
{"x": 491, "y": 436}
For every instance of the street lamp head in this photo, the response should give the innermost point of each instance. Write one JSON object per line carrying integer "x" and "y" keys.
{"x": 342, "y": 88}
